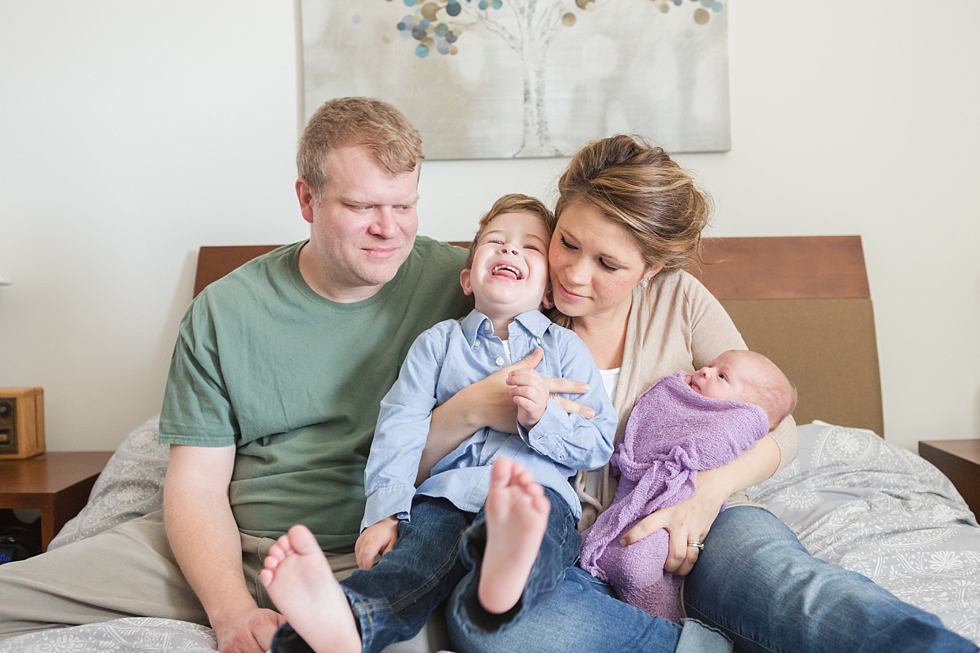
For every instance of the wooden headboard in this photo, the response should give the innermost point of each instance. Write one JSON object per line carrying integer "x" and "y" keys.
{"x": 803, "y": 301}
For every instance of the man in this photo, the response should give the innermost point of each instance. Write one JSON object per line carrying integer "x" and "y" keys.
{"x": 272, "y": 398}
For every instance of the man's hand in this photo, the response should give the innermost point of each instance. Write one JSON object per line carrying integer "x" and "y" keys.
{"x": 530, "y": 393}
{"x": 196, "y": 510}
{"x": 250, "y": 632}
{"x": 377, "y": 539}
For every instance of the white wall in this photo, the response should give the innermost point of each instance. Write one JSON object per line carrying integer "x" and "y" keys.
{"x": 133, "y": 132}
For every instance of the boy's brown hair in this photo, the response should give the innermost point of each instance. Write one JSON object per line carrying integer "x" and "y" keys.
{"x": 513, "y": 203}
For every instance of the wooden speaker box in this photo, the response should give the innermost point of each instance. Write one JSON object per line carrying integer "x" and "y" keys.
{"x": 21, "y": 422}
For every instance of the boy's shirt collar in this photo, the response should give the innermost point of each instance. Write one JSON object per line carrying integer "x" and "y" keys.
{"x": 476, "y": 323}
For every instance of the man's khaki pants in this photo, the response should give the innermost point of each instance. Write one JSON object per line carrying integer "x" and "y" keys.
{"x": 128, "y": 571}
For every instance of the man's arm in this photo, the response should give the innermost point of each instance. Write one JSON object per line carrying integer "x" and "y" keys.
{"x": 205, "y": 541}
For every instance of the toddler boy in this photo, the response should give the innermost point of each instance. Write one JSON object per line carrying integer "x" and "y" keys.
{"x": 496, "y": 516}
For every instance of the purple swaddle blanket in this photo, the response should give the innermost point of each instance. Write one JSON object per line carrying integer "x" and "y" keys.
{"x": 672, "y": 433}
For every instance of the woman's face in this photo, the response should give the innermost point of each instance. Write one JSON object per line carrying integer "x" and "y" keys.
{"x": 595, "y": 263}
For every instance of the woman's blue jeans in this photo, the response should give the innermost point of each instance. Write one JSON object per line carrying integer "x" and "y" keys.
{"x": 440, "y": 550}
{"x": 753, "y": 581}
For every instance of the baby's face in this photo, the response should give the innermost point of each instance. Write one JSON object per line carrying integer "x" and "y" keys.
{"x": 726, "y": 377}
{"x": 509, "y": 275}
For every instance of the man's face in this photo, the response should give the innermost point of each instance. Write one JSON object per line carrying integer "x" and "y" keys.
{"x": 509, "y": 275}
{"x": 362, "y": 227}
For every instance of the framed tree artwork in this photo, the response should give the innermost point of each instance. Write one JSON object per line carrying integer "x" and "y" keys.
{"x": 528, "y": 78}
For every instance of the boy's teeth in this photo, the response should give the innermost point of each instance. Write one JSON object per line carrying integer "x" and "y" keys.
{"x": 515, "y": 271}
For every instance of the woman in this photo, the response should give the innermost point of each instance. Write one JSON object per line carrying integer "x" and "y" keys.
{"x": 628, "y": 220}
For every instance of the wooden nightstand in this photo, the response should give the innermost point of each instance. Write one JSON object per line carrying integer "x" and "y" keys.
{"x": 960, "y": 461}
{"x": 56, "y": 482}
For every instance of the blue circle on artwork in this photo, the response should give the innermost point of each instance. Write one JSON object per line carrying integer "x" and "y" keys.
{"x": 706, "y": 3}
{"x": 424, "y": 23}
{"x": 441, "y": 29}
{"x": 497, "y": 4}
{"x": 678, "y": 2}
{"x": 356, "y": 19}
{"x": 716, "y": 7}
{"x": 409, "y": 3}
{"x": 442, "y": 47}
{"x": 453, "y": 9}
{"x": 421, "y": 51}
{"x": 483, "y": 4}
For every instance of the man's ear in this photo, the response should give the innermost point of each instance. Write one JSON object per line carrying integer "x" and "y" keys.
{"x": 305, "y": 196}
{"x": 548, "y": 300}
{"x": 652, "y": 271}
{"x": 464, "y": 281}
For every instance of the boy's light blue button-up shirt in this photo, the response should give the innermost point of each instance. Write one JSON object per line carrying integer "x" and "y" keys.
{"x": 452, "y": 355}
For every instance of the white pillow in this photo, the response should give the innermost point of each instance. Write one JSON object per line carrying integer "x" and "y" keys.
{"x": 131, "y": 485}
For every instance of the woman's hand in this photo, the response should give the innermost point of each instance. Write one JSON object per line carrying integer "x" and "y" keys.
{"x": 489, "y": 403}
{"x": 692, "y": 519}
{"x": 689, "y": 520}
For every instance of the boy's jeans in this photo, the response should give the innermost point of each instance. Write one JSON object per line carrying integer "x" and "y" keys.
{"x": 439, "y": 549}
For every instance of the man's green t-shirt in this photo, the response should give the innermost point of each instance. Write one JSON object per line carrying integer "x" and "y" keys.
{"x": 295, "y": 381}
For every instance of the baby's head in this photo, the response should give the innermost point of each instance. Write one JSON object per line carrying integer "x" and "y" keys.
{"x": 749, "y": 377}
{"x": 507, "y": 267}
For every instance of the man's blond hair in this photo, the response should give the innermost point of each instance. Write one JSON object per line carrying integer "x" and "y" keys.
{"x": 370, "y": 122}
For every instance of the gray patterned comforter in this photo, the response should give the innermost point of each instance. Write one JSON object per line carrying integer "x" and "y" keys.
{"x": 882, "y": 511}
{"x": 852, "y": 498}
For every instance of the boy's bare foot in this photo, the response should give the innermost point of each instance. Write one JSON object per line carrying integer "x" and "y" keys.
{"x": 517, "y": 516}
{"x": 302, "y": 585}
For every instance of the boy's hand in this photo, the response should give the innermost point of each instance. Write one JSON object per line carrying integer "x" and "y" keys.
{"x": 530, "y": 393}
{"x": 377, "y": 539}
